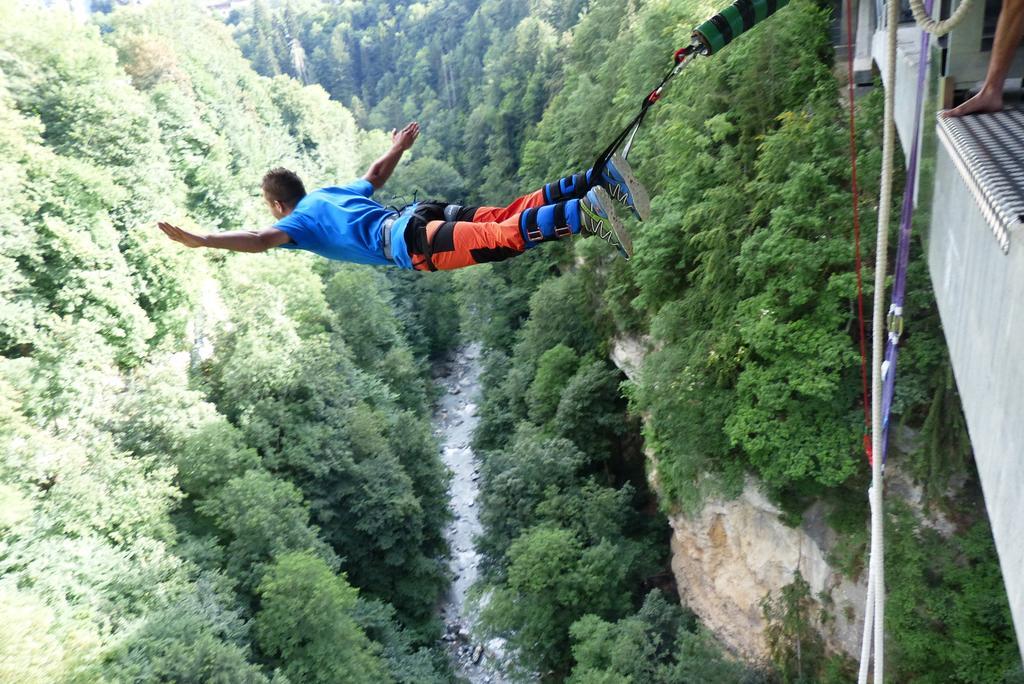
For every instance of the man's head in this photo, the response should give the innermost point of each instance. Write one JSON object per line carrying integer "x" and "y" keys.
{"x": 282, "y": 190}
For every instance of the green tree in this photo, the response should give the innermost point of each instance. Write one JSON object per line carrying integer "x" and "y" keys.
{"x": 660, "y": 644}
{"x": 795, "y": 645}
{"x": 305, "y": 623}
{"x": 405, "y": 663}
{"x": 553, "y": 580}
{"x": 259, "y": 517}
{"x": 193, "y": 639}
{"x": 592, "y": 412}
{"x": 947, "y": 601}
{"x": 554, "y": 369}
{"x": 516, "y": 481}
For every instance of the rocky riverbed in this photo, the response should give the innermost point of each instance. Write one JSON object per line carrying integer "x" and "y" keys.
{"x": 477, "y": 661}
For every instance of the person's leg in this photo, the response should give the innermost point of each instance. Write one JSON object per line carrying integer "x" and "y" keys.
{"x": 456, "y": 244}
{"x": 1009, "y": 29}
{"x": 565, "y": 189}
{"x": 617, "y": 179}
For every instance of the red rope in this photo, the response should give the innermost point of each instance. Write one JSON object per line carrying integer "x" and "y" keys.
{"x": 856, "y": 231}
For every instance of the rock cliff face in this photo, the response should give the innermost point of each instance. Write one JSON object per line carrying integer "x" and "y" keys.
{"x": 733, "y": 553}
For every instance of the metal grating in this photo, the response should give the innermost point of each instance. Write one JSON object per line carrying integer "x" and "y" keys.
{"x": 988, "y": 150}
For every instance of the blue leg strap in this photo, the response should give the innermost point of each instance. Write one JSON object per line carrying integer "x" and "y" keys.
{"x": 570, "y": 187}
{"x": 550, "y": 222}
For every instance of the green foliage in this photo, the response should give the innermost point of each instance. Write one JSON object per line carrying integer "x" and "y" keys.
{"x": 87, "y": 563}
{"x": 427, "y": 310}
{"x": 686, "y": 400}
{"x": 796, "y": 387}
{"x": 592, "y": 412}
{"x": 369, "y": 471}
{"x": 194, "y": 639}
{"x": 554, "y": 369}
{"x": 159, "y": 414}
{"x": 517, "y": 481}
{"x": 558, "y": 315}
{"x": 363, "y": 311}
{"x": 660, "y": 644}
{"x": 405, "y": 663}
{"x": 795, "y": 646}
{"x": 551, "y": 529}
{"x": 260, "y": 517}
{"x": 504, "y": 398}
{"x": 946, "y": 601}
{"x": 305, "y": 622}
{"x": 28, "y": 643}
{"x": 553, "y": 580}
{"x": 144, "y": 496}
{"x": 475, "y": 73}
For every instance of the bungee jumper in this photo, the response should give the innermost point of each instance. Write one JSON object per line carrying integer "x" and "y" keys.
{"x": 346, "y": 224}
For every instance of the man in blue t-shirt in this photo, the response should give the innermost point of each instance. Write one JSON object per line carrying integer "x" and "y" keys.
{"x": 344, "y": 223}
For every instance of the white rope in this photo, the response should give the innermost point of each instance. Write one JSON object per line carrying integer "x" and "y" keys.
{"x": 876, "y": 576}
{"x": 874, "y": 610}
{"x": 869, "y": 614}
{"x": 938, "y": 28}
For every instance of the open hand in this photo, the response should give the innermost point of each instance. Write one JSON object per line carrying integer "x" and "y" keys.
{"x": 404, "y": 138}
{"x": 183, "y": 236}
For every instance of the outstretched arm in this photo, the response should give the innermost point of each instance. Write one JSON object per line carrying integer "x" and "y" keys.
{"x": 235, "y": 240}
{"x": 382, "y": 169}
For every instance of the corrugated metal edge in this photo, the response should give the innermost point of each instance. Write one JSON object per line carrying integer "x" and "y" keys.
{"x": 957, "y": 148}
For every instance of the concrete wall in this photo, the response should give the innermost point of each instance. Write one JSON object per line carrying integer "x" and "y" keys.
{"x": 980, "y": 293}
{"x": 908, "y": 56}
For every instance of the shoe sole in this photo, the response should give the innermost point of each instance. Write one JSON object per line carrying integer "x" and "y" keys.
{"x": 621, "y": 234}
{"x": 641, "y": 200}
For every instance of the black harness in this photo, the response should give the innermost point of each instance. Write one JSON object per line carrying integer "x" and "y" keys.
{"x": 423, "y": 213}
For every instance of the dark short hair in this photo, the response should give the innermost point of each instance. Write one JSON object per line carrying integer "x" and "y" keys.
{"x": 284, "y": 186}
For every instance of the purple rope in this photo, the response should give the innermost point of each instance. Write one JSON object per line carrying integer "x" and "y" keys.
{"x": 899, "y": 288}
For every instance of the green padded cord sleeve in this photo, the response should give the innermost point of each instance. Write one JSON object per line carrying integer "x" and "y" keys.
{"x": 740, "y": 16}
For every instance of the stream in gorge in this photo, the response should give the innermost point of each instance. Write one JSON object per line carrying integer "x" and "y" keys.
{"x": 475, "y": 660}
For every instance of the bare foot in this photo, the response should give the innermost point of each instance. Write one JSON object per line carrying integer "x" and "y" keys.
{"x": 984, "y": 101}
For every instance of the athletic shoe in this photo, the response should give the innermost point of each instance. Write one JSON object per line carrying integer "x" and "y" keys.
{"x": 621, "y": 183}
{"x": 597, "y": 217}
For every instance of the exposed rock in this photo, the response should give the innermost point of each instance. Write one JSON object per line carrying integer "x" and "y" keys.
{"x": 478, "y": 653}
{"x": 628, "y": 353}
{"x": 732, "y": 554}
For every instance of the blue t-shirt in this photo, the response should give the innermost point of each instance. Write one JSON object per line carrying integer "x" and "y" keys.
{"x": 344, "y": 223}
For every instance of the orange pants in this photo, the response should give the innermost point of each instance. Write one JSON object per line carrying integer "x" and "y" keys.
{"x": 492, "y": 235}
